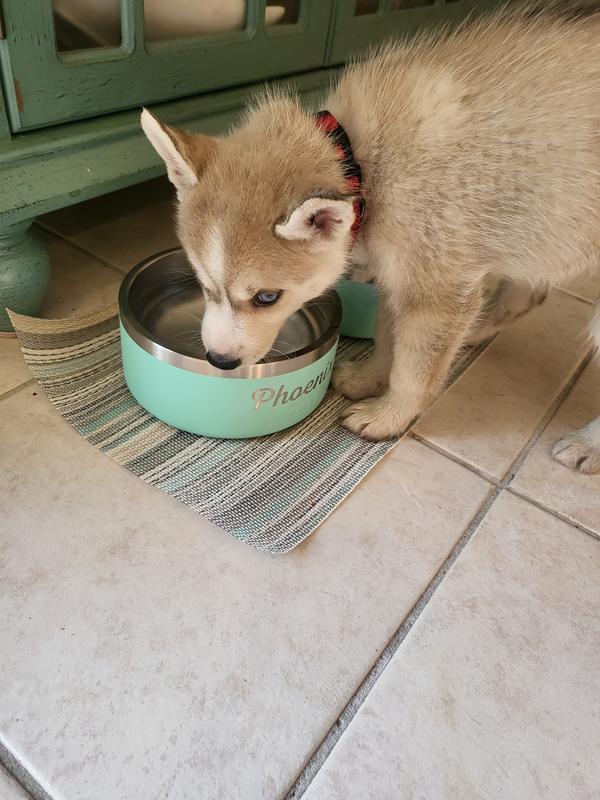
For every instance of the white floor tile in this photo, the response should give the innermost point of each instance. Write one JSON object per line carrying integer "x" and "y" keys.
{"x": 489, "y": 414}
{"x": 10, "y": 789}
{"x": 150, "y": 654}
{"x": 571, "y": 494}
{"x": 79, "y": 283}
{"x": 586, "y": 286}
{"x": 13, "y": 370}
{"x": 494, "y": 693}
{"x": 123, "y": 227}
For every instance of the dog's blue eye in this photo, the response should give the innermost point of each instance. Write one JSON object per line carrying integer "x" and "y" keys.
{"x": 266, "y": 298}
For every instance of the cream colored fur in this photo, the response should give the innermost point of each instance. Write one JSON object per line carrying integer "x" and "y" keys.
{"x": 480, "y": 153}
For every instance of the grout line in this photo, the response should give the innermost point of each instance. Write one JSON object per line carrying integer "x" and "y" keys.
{"x": 576, "y": 296}
{"x": 457, "y": 460}
{"x": 9, "y": 777}
{"x": 548, "y": 416}
{"x": 105, "y": 263}
{"x": 474, "y": 355}
{"x": 322, "y": 752}
{"x": 21, "y": 774}
{"x": 506, "y": 480}
{"x": 15, "y": 389}
{"x": 562, "y": 517}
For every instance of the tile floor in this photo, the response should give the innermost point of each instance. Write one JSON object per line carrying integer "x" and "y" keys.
{"x": 437, "y": 638}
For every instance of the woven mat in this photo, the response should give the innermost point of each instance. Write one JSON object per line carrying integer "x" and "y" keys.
{"x": 271, "y": 492}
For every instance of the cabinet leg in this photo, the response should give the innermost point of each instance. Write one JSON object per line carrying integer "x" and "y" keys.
{"x": 24, "y": 272}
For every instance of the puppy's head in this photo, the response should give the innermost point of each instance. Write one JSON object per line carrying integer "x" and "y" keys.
{"x": 264, "y": 217}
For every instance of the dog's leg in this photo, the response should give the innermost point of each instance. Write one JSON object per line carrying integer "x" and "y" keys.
{"x": 426, "y": 341}
{"x": 360, "y": 379}
{"x": 507, "y": 303}
{"x": 580, "y": 450}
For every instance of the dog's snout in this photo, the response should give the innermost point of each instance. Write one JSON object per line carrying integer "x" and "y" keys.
{"x": 222, "y": 361}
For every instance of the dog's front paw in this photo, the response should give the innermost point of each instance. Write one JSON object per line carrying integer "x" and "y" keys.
{"x": 580, "y": 450}
{"x": 376, "y": 419}
{"x": 357, "y": 380}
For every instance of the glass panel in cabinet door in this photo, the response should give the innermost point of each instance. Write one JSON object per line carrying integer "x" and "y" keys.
{"x": 363, "y": 7}
{"x": 403, "y": 5}
{"x": 84, "y": 24}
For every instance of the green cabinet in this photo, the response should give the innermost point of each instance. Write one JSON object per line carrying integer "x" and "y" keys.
{"x": 69, "y": 118}
{"x": 44, "y": 86}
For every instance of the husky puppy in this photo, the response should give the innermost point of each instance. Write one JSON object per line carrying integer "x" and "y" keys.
{"x": 478, "y": 155}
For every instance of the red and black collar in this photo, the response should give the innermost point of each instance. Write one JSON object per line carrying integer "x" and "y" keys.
{"x": 352, "y": 173}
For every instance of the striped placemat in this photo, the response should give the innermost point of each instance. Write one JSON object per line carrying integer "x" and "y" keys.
{"x": 271, "y": 492}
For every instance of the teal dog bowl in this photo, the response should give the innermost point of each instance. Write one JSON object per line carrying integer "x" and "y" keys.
{"x": 360, "y": 302}
{"x": 161, "y": 306}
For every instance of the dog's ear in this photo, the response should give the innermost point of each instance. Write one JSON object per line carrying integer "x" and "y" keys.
{"x": 185, "y": 154}
{"x": 318, "y": 218}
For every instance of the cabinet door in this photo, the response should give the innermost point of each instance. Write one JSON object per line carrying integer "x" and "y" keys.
{"x": 142, "y": 63}
{"x": 362, "y": 23}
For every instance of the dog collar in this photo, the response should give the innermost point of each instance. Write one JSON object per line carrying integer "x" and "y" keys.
{"x": 352, "y": 173}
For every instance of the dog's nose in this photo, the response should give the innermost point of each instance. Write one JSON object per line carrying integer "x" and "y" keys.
{"x": 222, "y": 362}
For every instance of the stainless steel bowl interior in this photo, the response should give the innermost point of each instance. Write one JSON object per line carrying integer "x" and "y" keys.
{"x": 162, "y": 304}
